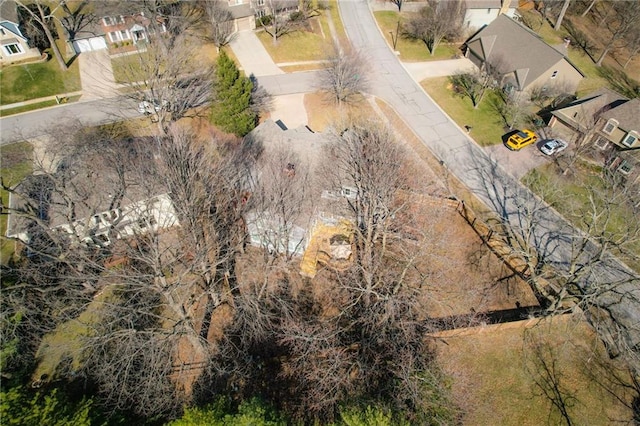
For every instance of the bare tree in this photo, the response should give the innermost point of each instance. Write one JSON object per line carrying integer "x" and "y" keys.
{"x": 345, "y": 77}
{"x": 282, "y": 201}
{"x": 220, "y": 23}
{"x": 558, "y": 23}
{"x": 474, "y": 85}
{"x": 42, "y": 13}
{"x": 278, "y": 22}
{"x": 436, "y": 22}
{"x": 627, "y": 14}
{"x": 398, "y": 3}
{"x": 77, "y": 17}
{"x": 140, "y": 290}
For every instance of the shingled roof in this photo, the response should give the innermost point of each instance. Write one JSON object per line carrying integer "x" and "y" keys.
{"x": 518, "y": 49}
{"x": 627, "y": 115}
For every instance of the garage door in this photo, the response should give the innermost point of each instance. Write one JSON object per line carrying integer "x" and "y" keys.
{"x": 245, "y": 24}
{"x": 89, "y": 44}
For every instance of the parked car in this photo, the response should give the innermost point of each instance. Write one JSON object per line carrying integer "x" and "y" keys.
{"x": 519, "y": 139}
{"x": 149, "y": 107}
{"x": 553, "y": 146}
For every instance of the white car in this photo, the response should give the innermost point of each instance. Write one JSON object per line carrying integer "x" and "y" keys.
{"x": 149, "y": 107}
{"x": 553, "y": 146}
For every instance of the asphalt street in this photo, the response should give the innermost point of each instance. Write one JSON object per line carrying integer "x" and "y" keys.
{"x": 25, "y": 126}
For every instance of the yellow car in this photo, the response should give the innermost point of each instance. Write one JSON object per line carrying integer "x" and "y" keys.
{"x": 520, "y": 139}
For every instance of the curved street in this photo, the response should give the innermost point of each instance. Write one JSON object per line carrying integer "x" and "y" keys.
{"x": 551, "y": 235}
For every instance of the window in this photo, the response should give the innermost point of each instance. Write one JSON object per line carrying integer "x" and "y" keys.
{"x": 630, "y": 139}
{"x": 554, "y": 74}
{"x": 602, "y": 143}
{"x": 260, "y": 2}
{"x": 13, "y": 49}
{"x": 124, "y": 35}
{"x": 625, "y": 168}
{"x": 114, "y": 36}
{"x": 610, "y": 126}
{"x": 108, "y": 20}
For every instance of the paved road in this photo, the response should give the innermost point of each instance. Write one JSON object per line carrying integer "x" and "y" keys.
{"x": 37, "y": 123}
{"x": 483, "y": 175}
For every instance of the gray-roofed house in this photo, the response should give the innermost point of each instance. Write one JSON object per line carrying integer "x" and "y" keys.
{"x": 523, "y": 59}
{"x": 611, "y": 123}
{"x": 14, "y": 46}
{"x": 578, "y": 118}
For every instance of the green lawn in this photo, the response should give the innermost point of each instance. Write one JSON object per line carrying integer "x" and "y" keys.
{"x": 31, "y": 81}
{"x": 411, "y": 50}
{"x": 127, "y": 69}
{"x": 15, "y": 164}
{"x": 32, "y": 107}
{"x": 297, "y": 46}
{"x": 572, "y": 195}
{"x": 486, "y": 124}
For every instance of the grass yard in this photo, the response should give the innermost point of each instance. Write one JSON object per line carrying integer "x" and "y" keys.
{"x": 410, "y": 50}
{"x": 297, "y": 46}
{"x": 31, "y": 81}
{"x": 570, "y": 196}
{"x": 487, "y": 127}
{"x": 493, "y": 371}
{"x": 15, "y": 164}
{"x": 322, "y": 111}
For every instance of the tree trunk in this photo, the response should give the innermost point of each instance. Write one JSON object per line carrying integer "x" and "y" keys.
{"x": 565, "y": 6}
{"x": 52, "y": 41}
{"x": 602, "y": 55}
{"x": 593, "y": 2}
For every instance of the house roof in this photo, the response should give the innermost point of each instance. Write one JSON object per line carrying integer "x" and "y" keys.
{"x": 8, "y": 11}
{"x": 518, "y": 49}
{"x": 12, "y": 28}
{"x": 241, "y": 10}
{"x": 627, "y": 115}
{"x": 483, "y": 4}
{"x": 582, "y": 111}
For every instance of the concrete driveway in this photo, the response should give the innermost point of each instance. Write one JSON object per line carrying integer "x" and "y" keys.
{"x": 252, "y": 55}
{"x": 96, "y": 75}
{"x": 517, "y": 163}
{"x": 290, "y": 110}
{"x": 421, "y": 70}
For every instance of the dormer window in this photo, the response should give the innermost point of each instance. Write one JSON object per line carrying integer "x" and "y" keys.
{"x": 610, "y": 126}
{"x": 108, "y": 20}
{"x": 630, "y": 139}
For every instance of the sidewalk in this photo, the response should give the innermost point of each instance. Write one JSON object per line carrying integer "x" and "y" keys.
{"x": 252, "y": 55}
{"x": 60, "y": 98}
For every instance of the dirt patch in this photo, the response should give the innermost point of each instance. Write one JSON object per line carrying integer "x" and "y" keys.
{"x": 322, "y": 111}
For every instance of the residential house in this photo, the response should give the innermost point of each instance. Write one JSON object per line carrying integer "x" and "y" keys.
{"x": 482, "y": 12}
{"x": 521, "y": 58}
{"x": 89, "y": 39}
{"x": 576, "y": 121}
{"x": 14, "y": 46}
{"x": 321, "y": 228}
{"x": 617, "y": 136}
{"x": 243, "y": 14}
{"x": 130, "y": 29}
{"x": 609, "y": 123}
